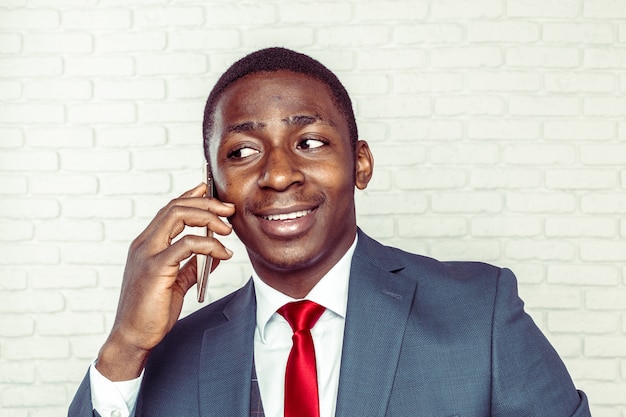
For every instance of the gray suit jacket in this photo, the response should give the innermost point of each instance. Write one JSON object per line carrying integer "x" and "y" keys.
{"x": 422, "y": 338}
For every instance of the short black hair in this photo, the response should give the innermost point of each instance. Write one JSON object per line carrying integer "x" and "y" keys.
{"x": 276, "y": 59}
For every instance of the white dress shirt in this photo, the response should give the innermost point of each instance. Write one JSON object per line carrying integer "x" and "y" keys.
{"x": 272, "y": 344}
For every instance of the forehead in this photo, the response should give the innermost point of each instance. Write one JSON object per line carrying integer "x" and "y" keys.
{"x": 260, "y": 94}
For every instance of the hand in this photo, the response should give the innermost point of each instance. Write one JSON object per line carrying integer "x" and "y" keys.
{"x": 154, "y": 284}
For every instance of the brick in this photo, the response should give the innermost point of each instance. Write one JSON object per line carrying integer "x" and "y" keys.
{"x": 552, "y": 298}
{"x": 56, "y": 137}
{"x": 10, "y": 90}
{"x": 174, "y": 63}
{"x": 579, "y": 227}
{"x": 606, "y": 346}
{"x": 129, "y": 89}
{"x": 164, "y": 17}
{"x": 423, "y": 179}
{"x": 353, "y": 37}
{"x": 467, "y": 57}
{"x": 189, "y": 88}
{"x": 537, "y": 202}
{"x": 13, "y": 184}
{"x": 503, "y": 129}
{"x": 396, "y": 107}
{"x": 31, "y": 66}
{"x": 30, "y": 348}
{"x": 17, "y": 373}
{"x": 580, "y": 83}
{"x": 594, "y": 369}
{"x": 604, "y": 106}
{"x": 465, "y": 154}
{"x": 69, "y": 230}
{"x": 545, "y": 250}
{"x": 12, "y": 137}
{"x": 15, "y": 230}
{"x": 458, "y": 249}
{"x": 37, "y": 161}
{"x": 131, "y": 41}
{"x": 544, "y": 106}
{"x": 606, "y": 393}
{"x": 131, "y": 136}
{"x": 394, "y": 203}
{"x": 604, "y": 58}
{"x": 102, "y": 113}
{"x": 298, "y": 36}
{"x": 582, "y": 322}
{"x": 98, "y": 208}
{"x": 505, "y": 226}
{"x": 16, "y": 326}
{"x": 503, "y": 31}
{"x": 181, "y": 111}
{"x": 68, "y": 324}
{"x": 528, "y": 273}
{"x": 403, "y": 155}
{"x": 413, "y": 82}
{"x": 13, "y": 279}
{"x": 229, "y": 14}
{"x": 34, "y": 396}
{"x": 62, "y": 278}
{"x": 606, "y": 299}
{"x": 542, "y": 57}
{"x": 539, "y": 154}
{"x": 383, "y": 59}
{"x": 31, "y": 301}
{"x": 469, "y": 105}
{"x": 382, "y": 181}
{"x": 90, "y": 66}
{"x": 603, "y": 203}
{"x": 167, "y": 159}
{"x": 63, "y": 184}
{"x": 10, "y": 43}
{"x": 58, "y": 90}
{"x": 450, "y": 9}
{"x": 85, "y": 347}
{"x": 419, "y": 227}
{"x": 380, "y": 10}
{"x": 607, "y": 251}
{"x": 580, "y": 179}
{"x": 32, "y": 113}
{"x": 29, "y": 19}
{"x": 99, "y": 19}
{"x": 428, "y": 33}
{"x": 202, "y": 39}
{"x": 378, "y": 226}
{"x": 96, "y": 300}
{"x": 603, "y": 154}
{"x": 406, "y": 130}
{"x": 587, "y": 33}
{"x": 296, "y": 12}
{"x": 55, "y": 43}
{"x": 503, "y": 81}
{"x": 87, "y": 253}
{"x": 95, "y": 160}
{"x": 34, "y": 208}
{"x": 566, "y": 345}
{"x": 612, "y": 9}
{"x": 543, "y": 8}
{"x": 463, "y": 202}
{"x": 571, "y": 130}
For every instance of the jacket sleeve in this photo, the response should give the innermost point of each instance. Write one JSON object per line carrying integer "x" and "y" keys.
{"x": 528, "y": 376}
{"x": 81, "y": 404}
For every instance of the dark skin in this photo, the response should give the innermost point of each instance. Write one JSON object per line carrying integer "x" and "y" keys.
{"x": 281, "y": 157}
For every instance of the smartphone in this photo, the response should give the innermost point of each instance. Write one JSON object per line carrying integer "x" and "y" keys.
{"x": 204, "y": 262}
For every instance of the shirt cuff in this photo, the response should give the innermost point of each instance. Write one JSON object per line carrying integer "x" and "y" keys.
{"x": 113, "y": 399}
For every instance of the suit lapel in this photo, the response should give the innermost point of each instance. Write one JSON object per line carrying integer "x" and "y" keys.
{"x": 226, "y": 359}
{"x": 378, "y": 307}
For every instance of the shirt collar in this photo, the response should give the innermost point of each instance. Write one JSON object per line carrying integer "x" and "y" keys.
{"x": 330, "y": 292}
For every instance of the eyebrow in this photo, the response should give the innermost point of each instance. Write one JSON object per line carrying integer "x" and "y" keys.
{"x": 295, "y": 120}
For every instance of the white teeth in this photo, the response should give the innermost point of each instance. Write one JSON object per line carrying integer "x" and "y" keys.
{"x": 288, "y": 216}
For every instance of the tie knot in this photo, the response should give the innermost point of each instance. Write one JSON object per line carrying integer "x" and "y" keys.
{"x": 301, "y": 315}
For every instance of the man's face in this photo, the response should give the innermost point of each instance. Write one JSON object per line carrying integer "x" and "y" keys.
{"x": 281, "y": 152}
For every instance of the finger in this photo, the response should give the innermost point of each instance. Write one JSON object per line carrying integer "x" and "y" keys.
{"x": 191, "y": 245}
{"x": 197, "y": 191}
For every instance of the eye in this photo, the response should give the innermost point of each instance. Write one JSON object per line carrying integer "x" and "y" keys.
{"x": 242, "y": 152}
{"x": 311, "y": 143}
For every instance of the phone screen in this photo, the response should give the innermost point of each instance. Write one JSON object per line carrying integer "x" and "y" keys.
{"x": 204, "y": 262}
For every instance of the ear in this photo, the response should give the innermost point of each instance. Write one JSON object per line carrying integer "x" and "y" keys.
{"x": 364, "y": 165}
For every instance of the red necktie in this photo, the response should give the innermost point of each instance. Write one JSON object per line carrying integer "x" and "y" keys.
{"x": 301, "y": 395}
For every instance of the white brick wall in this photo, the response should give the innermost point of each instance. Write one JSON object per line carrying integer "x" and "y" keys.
{"x": 497, "y": 127}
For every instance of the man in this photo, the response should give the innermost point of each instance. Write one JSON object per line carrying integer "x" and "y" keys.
{"x": 398, "y": 334}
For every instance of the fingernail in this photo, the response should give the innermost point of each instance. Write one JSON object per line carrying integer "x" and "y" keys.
{"x": 229, "y": 252}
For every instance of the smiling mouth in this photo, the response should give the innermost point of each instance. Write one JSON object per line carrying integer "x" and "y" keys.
{"x": 287, "y": 216}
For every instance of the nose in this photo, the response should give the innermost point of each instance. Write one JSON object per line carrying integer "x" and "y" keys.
{"x": 280, "y": 170}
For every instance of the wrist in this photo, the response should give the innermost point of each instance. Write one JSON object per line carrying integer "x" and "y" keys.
{"x": 118, "y": 361}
